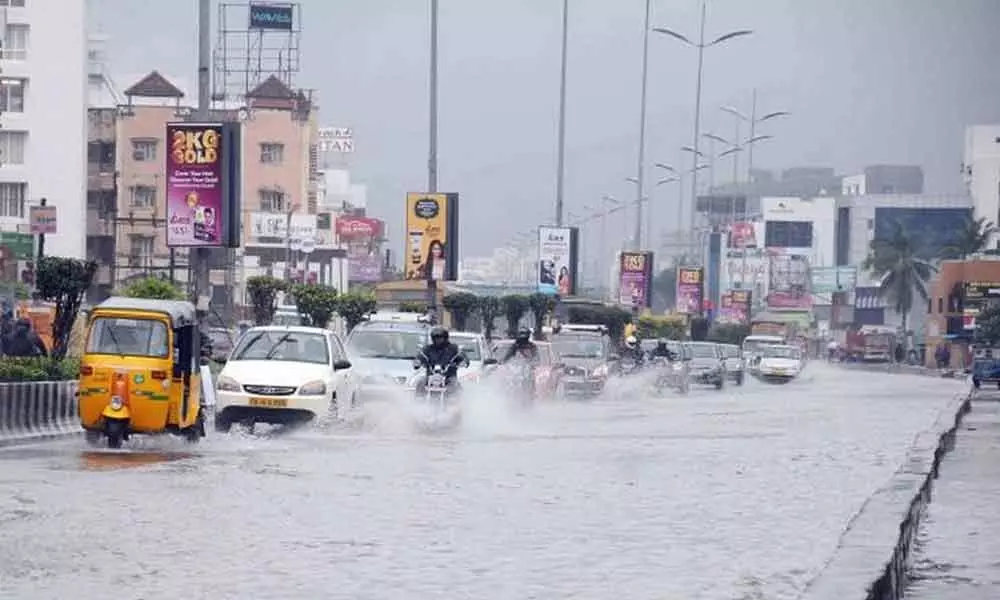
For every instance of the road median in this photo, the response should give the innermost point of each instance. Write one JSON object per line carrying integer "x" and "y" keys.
{"x": 38, "y": 411}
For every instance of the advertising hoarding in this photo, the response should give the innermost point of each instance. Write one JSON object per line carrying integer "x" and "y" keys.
{"x": 275, "y": 17}
{"x": 690, "y": 290}
{"x": 789, "y": 282}
{"x": 635, "y": 277}
{"x": 363, "y": 265}
{"x": 557, "y": 260}
{"x": 829, "y": 280}
{"x": 203, "y": 185}
{"x": 431, "y": 250}
{"x": 359, "y": 228}
{"x": 271, "y": 225}
{"x": 734, "y": 307}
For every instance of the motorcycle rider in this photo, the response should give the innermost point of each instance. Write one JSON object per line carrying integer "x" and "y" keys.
{"x": 526, "y": 350}
{"x": 440, "y": 352}
{"x": 662, "y": 351}
{"x": 633, "y": 351}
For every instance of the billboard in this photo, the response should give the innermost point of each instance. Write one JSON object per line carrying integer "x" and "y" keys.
{"x": 277, "y": 17}
{"x": 830, "y": 280}
{"x": 431, "y": 250}
{"x": 203, "y": 175}
{"x": 557, "y": 258}
{"x": 336, "y": 139}
{"x": 690, "y": 290}
{"x": 789, "y": 281}
{"x": 746, "y": 234}
{"x": 359, "y": 228}
{"x": 364, "y": 264}
{"x": 635, "y": 276}
{"x": 734, "y": 307}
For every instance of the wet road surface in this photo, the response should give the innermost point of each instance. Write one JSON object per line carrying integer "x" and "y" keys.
{"x": 735, "y": 494}
{"x": 958, "y": 551}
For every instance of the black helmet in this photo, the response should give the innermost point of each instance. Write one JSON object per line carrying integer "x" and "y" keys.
{"x": 439, "y": 334}
{"x": 523, "y": 334}
{"x": 661, "y": 343}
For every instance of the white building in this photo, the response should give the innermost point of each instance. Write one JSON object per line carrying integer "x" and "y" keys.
{"x": 785, "y": 222}
{"x": 43, "y": 118}
{"x": 981, "y": 169}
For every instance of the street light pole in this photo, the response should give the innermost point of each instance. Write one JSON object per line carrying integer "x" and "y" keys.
{"x": 640, "y": 167}
{"x": 561, "y": 152}
{"x": 432, "y": 150}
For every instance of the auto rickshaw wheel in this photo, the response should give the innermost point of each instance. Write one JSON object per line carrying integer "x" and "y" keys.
{"x": 222, "y": 424}
{"x": 115, "y": 431}
{"x": 976, "y": 383}
{"x": 93, "y": 438}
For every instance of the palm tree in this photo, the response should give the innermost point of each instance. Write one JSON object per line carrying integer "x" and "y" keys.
{"x": 902, "y": 274}
{"x": 972, "y": 238}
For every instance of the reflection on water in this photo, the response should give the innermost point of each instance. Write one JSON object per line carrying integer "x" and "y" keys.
{"x": 111, "y": 461}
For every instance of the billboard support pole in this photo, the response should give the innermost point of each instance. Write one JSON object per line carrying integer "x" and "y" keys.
{"x": 199, "y": 256}
{"x": 41, "y": 241}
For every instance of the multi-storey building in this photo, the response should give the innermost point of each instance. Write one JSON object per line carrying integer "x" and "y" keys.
{"x": 43, "y": 117}
{"x": 981, "y": 170}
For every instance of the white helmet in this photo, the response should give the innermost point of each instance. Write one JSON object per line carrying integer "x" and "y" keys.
{"x": 630, "y": 341}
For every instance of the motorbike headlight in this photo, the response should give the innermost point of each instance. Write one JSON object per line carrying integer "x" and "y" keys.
{"x": 116, "y": 403}
{"x": 227, "y": 384}
{"x": 313, "y": 388}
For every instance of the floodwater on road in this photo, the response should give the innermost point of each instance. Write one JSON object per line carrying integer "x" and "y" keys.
{"x": 958, "y": 549}
{"x": 741, "y": 493}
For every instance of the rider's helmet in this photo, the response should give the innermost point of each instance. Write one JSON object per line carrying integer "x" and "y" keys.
{"x": 439, "y": 336}
{"x": 631, "y": 341}
{"x": 523, "y": 335}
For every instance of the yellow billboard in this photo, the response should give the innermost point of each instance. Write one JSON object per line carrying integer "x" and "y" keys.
{"x": 431, "y": 250}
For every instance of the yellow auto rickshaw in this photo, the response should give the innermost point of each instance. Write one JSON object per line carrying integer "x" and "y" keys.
{"x": 140, "y": 371}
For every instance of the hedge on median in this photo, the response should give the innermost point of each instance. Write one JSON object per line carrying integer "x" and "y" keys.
{"x": 25, "y": 369}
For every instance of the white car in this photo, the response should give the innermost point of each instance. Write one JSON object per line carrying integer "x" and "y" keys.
{"x": 284, "y": 375}
{"x": 778, "y": 364}
{"x": 479, "y": 353}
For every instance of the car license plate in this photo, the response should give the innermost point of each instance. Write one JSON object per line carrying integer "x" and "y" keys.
{"x": 779, "y": 371}
{"x": 269, "y": 402}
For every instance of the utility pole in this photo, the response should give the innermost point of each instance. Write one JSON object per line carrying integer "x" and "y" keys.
{"x": 432, "y": 150}
{"x": 640, "y": 168}
{"x": 561, "y": 152}
{"x": 198, "y": 255}
{"x": 41, "y": 240}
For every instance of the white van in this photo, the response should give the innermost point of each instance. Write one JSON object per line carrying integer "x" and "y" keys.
{"x": 753, "y": 343}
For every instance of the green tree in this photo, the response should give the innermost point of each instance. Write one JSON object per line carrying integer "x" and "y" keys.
{"x": 903, "y": 275}
{"x": 728, "y": 333}
{"x": 514, "y": 307}
{"x": 541, "y": 306}
{"x": 354, "y": 307}
{"x": 413, "y": 307}
{"x": 489, "y": 310}
{"x": 154, "y": 288}
{"x": 988, "y": 326}
{"x": 316, "y": 303}
{"x": 263, "y": 291}
{"x": 461, "y": 305}
{"x": 664, "y": 287}
{"x": 64, "y": 281}
{"x": 972, "y": 238}
{"x": 612, "y": 317}
{"x": 652, "y": 327}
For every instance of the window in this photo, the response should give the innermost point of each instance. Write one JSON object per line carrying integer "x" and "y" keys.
{"x": 940, "y": 305}
{"x": 12, "y": 3}
{"x": 12, "y": 197}
{"x": 788, "y": 234}
{"x": 12, "y": 95}
{"x": 272, "y": 153}
{"x": 142, "y": 196}
{"x": 128, "y": 337}
{"x": 15, "y": 42}
{"x": 143, "y": 150}
{"x": 272, "y": 201}
{"x": 12, "y": 145}
{"x": 102, "y": 154}
{"x": 140, "y": 249}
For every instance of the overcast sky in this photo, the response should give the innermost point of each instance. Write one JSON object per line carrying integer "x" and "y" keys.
{"x": 867, "y": 81}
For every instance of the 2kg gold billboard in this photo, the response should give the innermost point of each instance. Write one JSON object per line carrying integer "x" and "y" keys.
{"x": 431, "y": 236}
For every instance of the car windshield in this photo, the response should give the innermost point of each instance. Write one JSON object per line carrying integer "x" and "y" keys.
{"x": 386, "y": 343}
{"x": 285, "y": 319}
{"x": 128, "y": 337}
{"x": 290, "y": 346}
{"x": 579, "y": 347}
{"x": 756, "y": 345}
{"x": 702, "y": 350}
{"x": 780, "y": 352}
{"x": 469, "y": 347}
{"x": 730, "y": 351}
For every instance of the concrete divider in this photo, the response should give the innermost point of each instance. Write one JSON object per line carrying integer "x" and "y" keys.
{"x": 38, "y": 410}
{"x": 874, "y": 551}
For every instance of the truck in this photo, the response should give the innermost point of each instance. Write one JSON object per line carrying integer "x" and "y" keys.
{"x": 871, "y": 343}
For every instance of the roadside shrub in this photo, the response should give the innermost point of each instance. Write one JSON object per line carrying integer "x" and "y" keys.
{"x": 25, "y": 369}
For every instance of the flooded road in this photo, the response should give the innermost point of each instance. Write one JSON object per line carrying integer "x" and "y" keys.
{"x": 958, "y": 549}
{"x": 714, "y": 495}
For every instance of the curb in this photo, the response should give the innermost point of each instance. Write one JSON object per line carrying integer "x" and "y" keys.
{"x": 861, "y": 567}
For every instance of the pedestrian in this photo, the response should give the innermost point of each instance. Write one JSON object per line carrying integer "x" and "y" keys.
{"x": 23, "y": 341}
{"x": 900, "y": 352}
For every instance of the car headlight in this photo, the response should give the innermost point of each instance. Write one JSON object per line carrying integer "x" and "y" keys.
{"x": 601, "y": 371}
{"x": 313, "y": 388}
{"x": 227, "y": 384}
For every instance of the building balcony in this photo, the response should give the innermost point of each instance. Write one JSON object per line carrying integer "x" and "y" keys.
{"x": 98, "y": 224}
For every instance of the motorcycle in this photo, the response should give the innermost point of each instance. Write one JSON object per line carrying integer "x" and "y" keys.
{"x": 438, "y": 406}
{"x": 629, "y": 366}
{"x": 670, "y": 375}
{"x": 518, "y": 382}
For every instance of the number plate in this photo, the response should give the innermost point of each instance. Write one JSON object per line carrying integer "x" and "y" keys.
{"x": 269, "y": 402}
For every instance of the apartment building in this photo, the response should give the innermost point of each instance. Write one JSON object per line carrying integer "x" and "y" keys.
{"x": 279, "y": 184}
{"x": 43, "y": 117}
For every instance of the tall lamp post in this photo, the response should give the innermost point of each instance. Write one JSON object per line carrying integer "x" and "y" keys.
{"x": 561, "y": 152}
{"x": 700, "y": 45}
{"x": 641, "y": 164}
{"x": 753, "y": 120}
{"x": 432, "y": 149}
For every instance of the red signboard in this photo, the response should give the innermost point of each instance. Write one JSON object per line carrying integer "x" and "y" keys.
{"x": 353, "y": 228}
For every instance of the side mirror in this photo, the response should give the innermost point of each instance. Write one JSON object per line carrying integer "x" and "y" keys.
{"x": 490, "y": 361}
{"x": 340, "y": 365}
